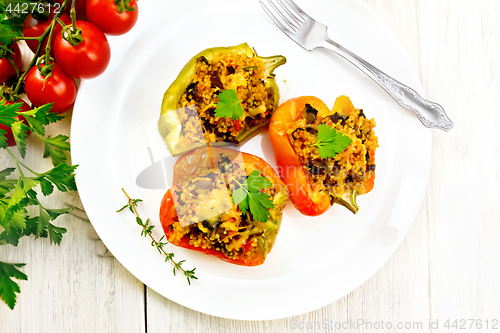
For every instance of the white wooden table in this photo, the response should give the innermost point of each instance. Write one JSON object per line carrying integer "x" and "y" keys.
{"x": 448, "y": 266}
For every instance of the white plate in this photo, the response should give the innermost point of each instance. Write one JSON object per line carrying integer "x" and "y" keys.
{"x": 315, "y": 260}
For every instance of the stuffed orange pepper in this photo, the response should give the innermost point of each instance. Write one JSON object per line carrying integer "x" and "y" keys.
{"x": 324, "y": 156}
{"x": 224, "y": 203}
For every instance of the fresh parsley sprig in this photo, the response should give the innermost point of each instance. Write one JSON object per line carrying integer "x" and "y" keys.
{"x": 16, "y": 195}
{"x": 8, "y": 287}
{"x": 248, "y": 195}
{"x": 37, "y": 119}
{"x": 229, "y": 105}
{"x": 11, "y": 21}
{"x": 147, "y": 230}
{"x": 330, "y": 142}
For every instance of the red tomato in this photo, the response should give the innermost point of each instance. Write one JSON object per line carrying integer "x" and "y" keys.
{"x": 105, "y": 15}
{"x": 86, "y": 60}
{"x": 60, "y": 89}
{"x": 10, "y": 137}
{"x": 6, "y": 69}
{"x": 79, "y": 7}
{"x": 34, "y": 28}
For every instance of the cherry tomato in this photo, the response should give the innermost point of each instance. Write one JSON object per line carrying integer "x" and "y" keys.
{"x": 105, "y": 15}
{"x": 7, "y": 70}
{"x": 9, "y": 136}
{"x": 86, "y": 60}
{"x": 60, "y": 89}
{"x": 34, "y": 28}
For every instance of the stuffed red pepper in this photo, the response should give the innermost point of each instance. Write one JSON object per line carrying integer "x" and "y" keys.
{"x": 324, "y": 156}
{"x": 224, "y": 203}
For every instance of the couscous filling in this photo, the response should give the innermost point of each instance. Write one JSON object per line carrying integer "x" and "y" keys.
{"x": 225, "y": 71}
{"x": 209, "y": 219}
{"x": 348, "y": 170}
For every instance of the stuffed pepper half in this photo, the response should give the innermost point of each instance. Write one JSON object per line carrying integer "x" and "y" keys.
{"x": 224, "y": 203}
{"x": 324, "y": 156}
{"x": 222, "y": 94}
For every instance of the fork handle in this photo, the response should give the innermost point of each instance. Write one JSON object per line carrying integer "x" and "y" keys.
{"x": 430, "y": 114}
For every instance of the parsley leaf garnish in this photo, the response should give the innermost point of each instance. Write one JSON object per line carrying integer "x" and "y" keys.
{"x": 229, "y": 105}
{"x": 330, "y": 141}
{"x": 248, "y": 195}
{"x": 9, "y": 288}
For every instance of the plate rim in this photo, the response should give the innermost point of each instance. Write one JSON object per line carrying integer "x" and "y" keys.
{"x": 85, "y": 199}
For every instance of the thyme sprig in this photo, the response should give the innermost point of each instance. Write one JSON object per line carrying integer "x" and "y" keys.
{"x": 147, "y": 230}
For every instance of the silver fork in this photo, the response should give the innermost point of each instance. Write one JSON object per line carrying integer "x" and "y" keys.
{"x": 311, "y": 34}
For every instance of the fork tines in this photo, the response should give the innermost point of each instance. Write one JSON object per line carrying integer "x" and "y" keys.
{"x": 292, "y": 17}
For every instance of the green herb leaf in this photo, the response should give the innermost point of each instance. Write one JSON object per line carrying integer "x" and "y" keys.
{"x": 330, "y": 141}
{"x": 18, "y": 218}
{"x": 190, "y": 274}
{"x": 55, "y": 213}
{"x": 9, "y": 29}
{"x": 229, "y": 105}
{"x": 62, "y": 176}
{"x": 130, "y": 205}
{"x": 6, "y": 185}
{"x": 20, "y": 133}
{"x": 248, "y": 196}
{"x": 39, "y": 117}
{"x": 17, "y": 195}
{"x": 55, "y": 147}
{"x": 12, "y": 18}
{"x": 56, "y": 234}
{"x": 32, "y": 227}
{"x": 8, "y": 287}
{"x": 8, "y": 112}
{"x": 3, "y": 139}
{"x": 11, "y": 237}
{"x": 147, "y": 230}
{"x": 43, "y": 222}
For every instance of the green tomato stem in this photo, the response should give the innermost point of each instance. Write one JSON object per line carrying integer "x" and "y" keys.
{"x": 60, "y": 21}
{"x": 16, "y": 39}
{"x": 41, "y": 39}
{"x": 72, "y": 14}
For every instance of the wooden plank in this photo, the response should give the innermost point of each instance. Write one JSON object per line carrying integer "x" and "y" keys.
{"x": 70, "y": 288}
{"x": 464, "y": 185}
